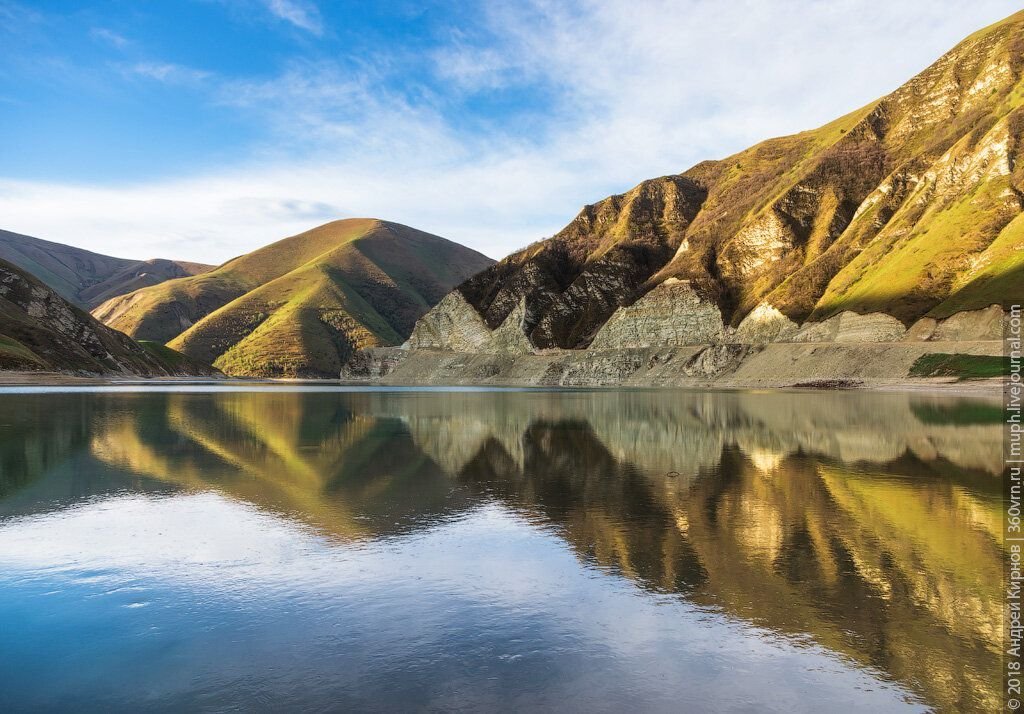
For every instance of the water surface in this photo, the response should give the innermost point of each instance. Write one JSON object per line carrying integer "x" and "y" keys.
{"x": 198, "y": 548}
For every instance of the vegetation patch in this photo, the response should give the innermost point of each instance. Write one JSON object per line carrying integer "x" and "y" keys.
{"x": 961, "y": 366}
{"x": 15, "y": 355}
{"x": 175, "y": 362}
{"x": 164, "y": 353}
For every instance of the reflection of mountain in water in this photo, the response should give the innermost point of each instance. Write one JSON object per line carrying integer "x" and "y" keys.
{"x": 893, "y": 559}
{"x": 869, "y": 521}
{"x": 349, "y": 474}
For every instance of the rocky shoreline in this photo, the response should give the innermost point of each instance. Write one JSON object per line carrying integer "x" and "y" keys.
{"x": 685, "y": 347}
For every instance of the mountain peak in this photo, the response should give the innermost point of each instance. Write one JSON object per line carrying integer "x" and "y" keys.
{"x": 301, "y": 305}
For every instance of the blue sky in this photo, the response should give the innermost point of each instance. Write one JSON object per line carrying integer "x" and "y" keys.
{"x": 201, "y": 129}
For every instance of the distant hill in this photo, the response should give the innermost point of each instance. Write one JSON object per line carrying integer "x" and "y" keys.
{"x": 910, "y": 206}
{"x": 41, "y": 331}
{"x": 86, "y": 278}
{"x": 300, "y": 306}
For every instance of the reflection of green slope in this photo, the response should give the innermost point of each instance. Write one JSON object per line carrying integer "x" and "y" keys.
{"x": 959, "y": 413}
{"x": 945, "y": 527}
{"x": 606, "y": 509}
{"x": 916, "y": 596}
{"x": 306, "y": 457}
{"x": 390, "y": 478}
{"x": 45, "y": 460}
{"x": 73, "y": 481}
{"x": 686, "y": 431}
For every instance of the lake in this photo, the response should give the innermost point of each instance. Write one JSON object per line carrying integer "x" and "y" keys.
{"x": 215, "y": 548}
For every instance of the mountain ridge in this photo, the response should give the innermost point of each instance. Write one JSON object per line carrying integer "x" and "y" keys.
{"x": 84, "y": 277}
{"x": 853, "y": 253}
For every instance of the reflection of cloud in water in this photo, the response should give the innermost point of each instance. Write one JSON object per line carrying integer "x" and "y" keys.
{"x": 486, "y": 579}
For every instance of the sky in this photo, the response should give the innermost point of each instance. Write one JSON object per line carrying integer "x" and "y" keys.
{"x": 203, "y": 129}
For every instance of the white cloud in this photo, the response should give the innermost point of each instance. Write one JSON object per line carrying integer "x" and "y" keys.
{"x": 167, "y": 72}
{"x": 474, "y": 69}
{"x": 642, "y": 89}
{"x": 303, "y": 15}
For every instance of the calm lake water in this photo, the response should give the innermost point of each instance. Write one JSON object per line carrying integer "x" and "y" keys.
{"x": 192, "y": 548}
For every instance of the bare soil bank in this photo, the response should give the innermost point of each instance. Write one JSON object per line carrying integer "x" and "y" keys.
{"x": 825, "y": 365}
{"x": 57, "y": 379}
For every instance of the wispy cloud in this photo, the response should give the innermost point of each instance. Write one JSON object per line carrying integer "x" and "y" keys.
{"x": 109, "y": 37}
{"x": 13, "y": 15}
{"x": 167, "y": 72}
{"x": 19, "y": 23}
{"x": 475, "y": 68}
{"x": 304, "y": 15}
{"x": 322, "y": 108}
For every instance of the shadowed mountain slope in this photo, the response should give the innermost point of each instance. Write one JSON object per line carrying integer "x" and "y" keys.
{"x": 86, "y": 278}
{"x": 41, "y": 331}
{"x": 910, "y": 206}
{"x": 302, "y": 305}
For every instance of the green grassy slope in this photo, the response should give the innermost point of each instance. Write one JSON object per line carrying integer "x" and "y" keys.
{"x": 175, "y": 362}
{"x": 300, "y": 306}
{"x": 14, "y": 355}
{"x": 909, "y": 205}
{"x": 163, "y": 312}
{"x": 962, "y": 366}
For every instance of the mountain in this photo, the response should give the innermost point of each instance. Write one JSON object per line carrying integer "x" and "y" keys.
{"x": 86, "y": 278}
{"x": 300, "y": 306}
{"x": 41, "y": 331}
{"x": 910, "y": 206}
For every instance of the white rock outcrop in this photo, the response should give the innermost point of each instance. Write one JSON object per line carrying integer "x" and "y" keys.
{"x": 510, "y": 336}
{"x": 851, "y": 327}
{"x": 764, "y": 324}
{"x": 451, "y": 325}
{"x": 764, "y": 241}
{"x": 986, "y": 324}
{"x": 670, "y": 315}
